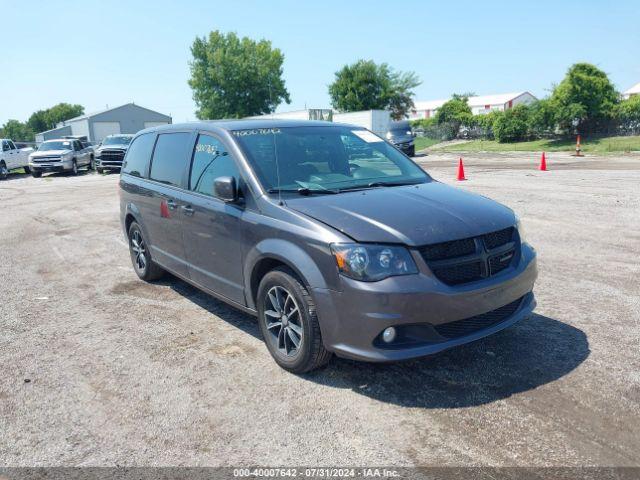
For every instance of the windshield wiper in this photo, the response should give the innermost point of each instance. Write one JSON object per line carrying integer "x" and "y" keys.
{"x": 302, "y": 191}
{"x": 378, "y": 184}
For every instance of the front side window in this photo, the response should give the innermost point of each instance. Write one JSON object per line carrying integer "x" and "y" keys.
{"x": 170, "y": 158}
{"x": 325, "y": 158}
{"x": 211, "y": 160}
{"x": 137, "y": 159}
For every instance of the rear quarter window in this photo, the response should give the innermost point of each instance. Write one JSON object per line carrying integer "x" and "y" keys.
{"x": 170, "y": 158}
{"x": 138, "y": 155}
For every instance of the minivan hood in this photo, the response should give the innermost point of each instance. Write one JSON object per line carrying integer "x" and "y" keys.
{"x": 412, "y": 215}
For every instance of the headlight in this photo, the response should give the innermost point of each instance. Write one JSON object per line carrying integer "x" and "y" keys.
{"x": 388, "y": 135}
{"x": 370, "y": 263}
{"x": 520, "y": 230}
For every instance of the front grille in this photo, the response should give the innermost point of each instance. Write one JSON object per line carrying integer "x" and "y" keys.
{"x": 112, "y": 155}
{"x": 455, "y": 248}
{"x": 470, "y": 325}
{"x": 458, "y": 274}
{"x": 471, "y": 259}
{"x": 46, "y": 159}
{"x": 497, "y": 239}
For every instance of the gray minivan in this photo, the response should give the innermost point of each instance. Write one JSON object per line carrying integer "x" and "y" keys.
{"x": 334, "y": 239}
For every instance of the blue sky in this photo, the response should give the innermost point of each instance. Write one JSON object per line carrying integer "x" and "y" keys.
{"x": 99, "y": 53}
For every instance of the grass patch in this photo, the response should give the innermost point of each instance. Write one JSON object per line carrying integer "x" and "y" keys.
{"x": 595, "y": 145}
{"x": 424, "y": 142}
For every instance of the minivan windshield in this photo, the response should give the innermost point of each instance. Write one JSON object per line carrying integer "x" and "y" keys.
{"x": 55, "y": 145}
{"x": 117, "y": 140}
{"x": 327, "y": 159}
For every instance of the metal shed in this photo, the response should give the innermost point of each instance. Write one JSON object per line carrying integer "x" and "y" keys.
{"x": 129, "y": 118}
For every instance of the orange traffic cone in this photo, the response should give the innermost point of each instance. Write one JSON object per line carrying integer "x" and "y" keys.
{"x": 578, "y": 148}
{"x": 460, "y": 170}
{"x": 543, "y": 163}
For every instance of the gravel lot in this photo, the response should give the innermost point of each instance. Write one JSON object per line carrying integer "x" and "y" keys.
{"x": 99, "y": 368}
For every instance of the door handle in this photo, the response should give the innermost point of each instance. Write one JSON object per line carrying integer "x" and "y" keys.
{"x": 188, "y": 210}
{"x": 172, "y": 205}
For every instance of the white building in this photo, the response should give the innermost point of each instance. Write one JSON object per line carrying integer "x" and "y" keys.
{"x": 479, "y": 105}
{"x": 635, "y": 90}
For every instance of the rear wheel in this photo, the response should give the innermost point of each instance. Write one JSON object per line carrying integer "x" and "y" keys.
{"x": 289, "y": 324}
{"x": 144, "y": 266}
{"x": 4, "y": 171}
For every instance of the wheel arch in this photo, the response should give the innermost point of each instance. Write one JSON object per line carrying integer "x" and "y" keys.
{"x": 274, "y": 253}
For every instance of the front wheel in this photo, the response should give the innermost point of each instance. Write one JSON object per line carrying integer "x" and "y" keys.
{"x": 289, "y": 324}
{"x": 74, "y": 168}
{"x": 36, "y": 174}
{"x": 100, "y": 170}
{"x": 92, "y": 165}
{"x": 145, "y": 267}
{"x": 27, "y": 170}
{"x": 4, "y": 171}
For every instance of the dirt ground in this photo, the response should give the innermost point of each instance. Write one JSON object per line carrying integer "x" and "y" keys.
{"x": 99, "y": 368}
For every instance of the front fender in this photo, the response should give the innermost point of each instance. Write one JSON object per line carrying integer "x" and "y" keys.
{"x": 288, "y": 253}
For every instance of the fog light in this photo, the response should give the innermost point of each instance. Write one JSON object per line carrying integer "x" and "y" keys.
{"x": 389, "y": 335}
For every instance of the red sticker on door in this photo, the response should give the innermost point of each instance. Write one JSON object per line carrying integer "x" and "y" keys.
{"x": 164, "y": 209}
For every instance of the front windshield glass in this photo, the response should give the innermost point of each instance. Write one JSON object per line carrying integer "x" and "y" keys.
{"x": 117, "y": 140}
{"x": 55, "y": 145}
{"x": 328, "y": 158}
{"x": 400, "y": 128}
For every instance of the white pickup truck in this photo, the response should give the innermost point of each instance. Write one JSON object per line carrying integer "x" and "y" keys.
{"x": 12, "y": 158}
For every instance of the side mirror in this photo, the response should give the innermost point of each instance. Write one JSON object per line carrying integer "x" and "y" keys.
{"x": 225, "y": 189}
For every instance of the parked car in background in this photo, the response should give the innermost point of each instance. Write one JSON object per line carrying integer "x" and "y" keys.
{"x": 62, "y": 155}
{"x": 401, "y": 136}
{"x": 12, "y": 157}
{"x": 335, "y": 240}
{"x": 110, "y": 153}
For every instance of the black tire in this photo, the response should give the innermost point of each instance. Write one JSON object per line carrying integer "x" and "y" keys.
{"x": 100, "y": 170}
{"x": 143, "y": 264}
{"x": 4, "y": 171}
{"x": 27, "y": 170}
{"x": 310, "y": 353}
{"x": 36, "y": 174}
{"x": 411, "y": 152}
{"x": 91, "y": 164}
{"x": 74, "y": 169}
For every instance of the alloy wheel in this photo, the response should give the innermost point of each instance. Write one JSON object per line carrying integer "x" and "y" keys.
{"x": 139, "y": 251}
{"x": 283, "y": 320}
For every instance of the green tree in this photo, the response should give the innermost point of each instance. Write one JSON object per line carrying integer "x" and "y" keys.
{"x": 47, "y": 119}
{"x": 17, "y": 131}
{"x": 628, "y": 114}
{"x": 541, "y": 120}
{"x": 61, "y": 112}
{"x": 486, "y": 121}
{"x": 512, "y": 125}
{"x": 38, "y": 121}
{"x": 584, "y": 100}
{"x": 234, "y": 77}
{"x": 453, "y": 114}
{"x": 365, "y": 85}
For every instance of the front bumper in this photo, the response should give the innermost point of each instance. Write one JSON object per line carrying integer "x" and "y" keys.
{"x": 351, "y": 320}
{"x": 51, "y": 167}
{"x": 112, "y": 164}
